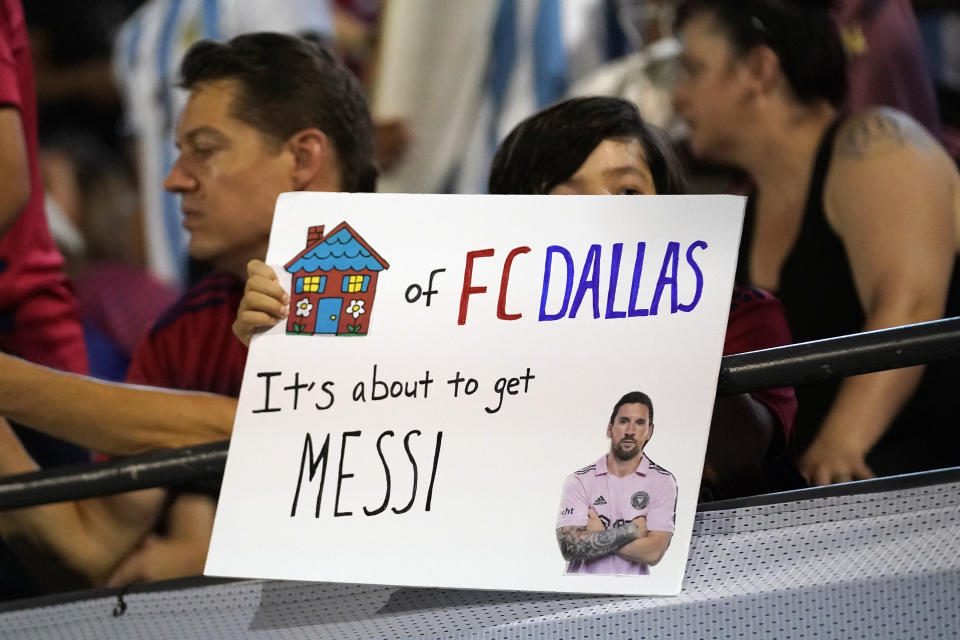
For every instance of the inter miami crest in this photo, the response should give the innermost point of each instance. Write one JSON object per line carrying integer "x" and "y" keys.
{"x": 640, "y": 499}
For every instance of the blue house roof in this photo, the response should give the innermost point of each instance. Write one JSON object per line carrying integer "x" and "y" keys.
{"x": 342, "y": 250}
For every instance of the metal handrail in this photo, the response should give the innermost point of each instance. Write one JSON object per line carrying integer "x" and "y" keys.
{"x": 782, "y": 366}
{"x": 160, "y": 468}
{"x": 840, "y": 357}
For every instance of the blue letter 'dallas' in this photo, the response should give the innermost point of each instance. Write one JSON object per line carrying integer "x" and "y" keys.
{"x": 559, "y": 266}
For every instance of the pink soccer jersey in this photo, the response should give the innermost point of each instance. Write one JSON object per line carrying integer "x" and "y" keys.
{"x": 650, "y": 491}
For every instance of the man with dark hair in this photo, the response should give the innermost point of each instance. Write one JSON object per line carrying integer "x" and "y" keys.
{"x": 851, "y": 224}
{"x": 235, "y": 159}
{"x": 633, "y": 396}
{"x": 248, "y": 133}
{"x": 617, "y": 515}
{"x": 281, "y": 104}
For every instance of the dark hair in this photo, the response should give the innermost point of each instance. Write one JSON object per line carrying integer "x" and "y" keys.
{"x": 634, "y": 397}
{"x": 801, "y": 32}
{"x": 289, "y": 84}
{"x": 549, "y": 146}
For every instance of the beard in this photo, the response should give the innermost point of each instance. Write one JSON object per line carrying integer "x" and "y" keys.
{"x": 625, "y": 454}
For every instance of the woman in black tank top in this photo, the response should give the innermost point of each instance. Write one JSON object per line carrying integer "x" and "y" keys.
{"x": 851, "y": 223}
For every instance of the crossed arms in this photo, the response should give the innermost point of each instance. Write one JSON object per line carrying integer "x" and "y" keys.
{"x": 106, "y": 540}
{"x": 630, "y": 541}
{"x": 73, "y": 544}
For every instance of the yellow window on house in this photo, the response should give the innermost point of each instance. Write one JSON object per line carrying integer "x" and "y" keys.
{"x": 311, "y": 284}
{"x": 354, "y": 284}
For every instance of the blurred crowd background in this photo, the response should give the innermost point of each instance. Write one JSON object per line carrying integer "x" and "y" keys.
{"x": 446, "y": 81}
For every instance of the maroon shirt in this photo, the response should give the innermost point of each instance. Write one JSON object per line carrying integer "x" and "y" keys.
{"x": 758, "y": 321}
{"x": 192, "y": 346}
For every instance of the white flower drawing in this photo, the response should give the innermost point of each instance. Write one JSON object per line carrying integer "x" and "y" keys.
{"x": 355, "y": 308}
{"x": 304, "y": 307}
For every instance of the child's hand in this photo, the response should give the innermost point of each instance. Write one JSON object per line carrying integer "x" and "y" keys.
{"x": 264, "y": 302}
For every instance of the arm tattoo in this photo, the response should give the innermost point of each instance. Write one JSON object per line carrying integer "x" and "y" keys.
{"x": 576, "y": 543}
{"x": 876, "y": 132}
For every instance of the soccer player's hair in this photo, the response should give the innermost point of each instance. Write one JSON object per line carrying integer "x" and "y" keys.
{"x": 634, "y": 397}
{"x": 288, "y": 84}
{"x": 548, "y": 147}
{"x": 801, "y": 33}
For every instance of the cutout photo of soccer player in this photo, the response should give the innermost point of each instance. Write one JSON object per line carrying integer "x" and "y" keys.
{"x": 617, "y": 515}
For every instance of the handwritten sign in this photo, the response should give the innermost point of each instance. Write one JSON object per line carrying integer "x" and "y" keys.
{"x": 438, "y": 402}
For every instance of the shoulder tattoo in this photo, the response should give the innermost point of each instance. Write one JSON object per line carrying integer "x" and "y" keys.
{"x": 879, "y": 131}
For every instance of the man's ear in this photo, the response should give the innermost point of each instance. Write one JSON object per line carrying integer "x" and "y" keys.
{"x": 651, "y": 433}
{"x": 610, "y": 430}
{"x": 315, "y": 164}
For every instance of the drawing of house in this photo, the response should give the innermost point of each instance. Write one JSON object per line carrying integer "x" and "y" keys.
{"x": 334, "y": 280}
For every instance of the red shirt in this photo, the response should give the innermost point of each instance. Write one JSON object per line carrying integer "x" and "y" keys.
{"x": 192, "y": 346}
{"x": 39, "y": 319}
{"x": 28, "y": 256}
{"x": 758, "y": 321}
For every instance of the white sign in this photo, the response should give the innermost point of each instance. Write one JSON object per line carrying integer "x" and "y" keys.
{"x": 450, "y": 362}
